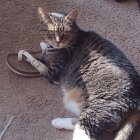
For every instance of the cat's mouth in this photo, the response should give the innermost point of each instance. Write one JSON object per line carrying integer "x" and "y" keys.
{"x": 53, "y": 46}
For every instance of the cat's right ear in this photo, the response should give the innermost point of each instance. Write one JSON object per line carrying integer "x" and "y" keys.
{"x": 43, "y": 15}
{"x": 72, "y": 16}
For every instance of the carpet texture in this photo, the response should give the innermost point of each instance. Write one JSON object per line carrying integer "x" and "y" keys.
{"x": 33, "y": 101}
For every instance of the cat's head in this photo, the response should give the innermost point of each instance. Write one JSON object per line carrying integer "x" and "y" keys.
{"x": 58, "y": 30}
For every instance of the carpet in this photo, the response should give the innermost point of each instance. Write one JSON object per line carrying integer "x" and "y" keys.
{"x": 33, "y": 101}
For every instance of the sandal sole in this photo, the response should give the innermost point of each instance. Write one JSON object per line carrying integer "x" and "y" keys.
{"x": 22, "y": 68}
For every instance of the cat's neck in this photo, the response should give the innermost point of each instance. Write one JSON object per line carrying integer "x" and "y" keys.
{"x": 84, "y": 37}
{"x": 80, "y": 39}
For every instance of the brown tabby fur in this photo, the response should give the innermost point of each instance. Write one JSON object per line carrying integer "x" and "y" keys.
{"x": 100, "y": 85}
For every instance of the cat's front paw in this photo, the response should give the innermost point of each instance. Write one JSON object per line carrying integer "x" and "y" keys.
{"x": 57, "y": 123}
{"x": 61, "y": 123}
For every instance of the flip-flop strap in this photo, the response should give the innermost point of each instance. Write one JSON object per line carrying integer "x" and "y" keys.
{"x": 34, "y": 62}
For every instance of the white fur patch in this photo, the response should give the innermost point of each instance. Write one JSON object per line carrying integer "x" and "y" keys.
{"x": 124, "y": 133}
{"x": 58, "y": 39}
{"x": 65, "y": 123}
{"x": 57, "y": 15}
{"x": 70, "y": 105}
{"x": 80, "y": 134}
{"x": 43, "y": 46}
{"x": 114, "y": 69}
{"x": 73, "y": 107}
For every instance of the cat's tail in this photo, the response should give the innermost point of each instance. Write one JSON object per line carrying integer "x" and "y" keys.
{"x": 127, "y": 130}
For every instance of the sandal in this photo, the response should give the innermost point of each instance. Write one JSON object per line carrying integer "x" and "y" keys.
{"x": 23, "y": 63}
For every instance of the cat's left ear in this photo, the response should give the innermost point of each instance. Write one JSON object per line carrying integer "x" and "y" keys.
{"x": 72, "y": 16}
{"x": 43, "y": 15}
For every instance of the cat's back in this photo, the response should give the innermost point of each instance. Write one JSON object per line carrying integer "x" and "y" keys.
{"x": 100, "y": 66}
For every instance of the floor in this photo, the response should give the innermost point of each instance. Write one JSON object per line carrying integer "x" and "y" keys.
{"x": 33, "y": 101}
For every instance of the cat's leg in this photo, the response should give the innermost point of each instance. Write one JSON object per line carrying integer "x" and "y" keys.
{"x": 39, "y": 56}
{"x": 73, "y": 101}
{"x": 43, "y": 46}
{"x": 98, "y": 118}
{"x": 64, "y": 123}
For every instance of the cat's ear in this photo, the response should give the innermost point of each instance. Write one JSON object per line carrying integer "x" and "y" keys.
{"x": 43, "y": 15}
{"x": 72, "y": 16}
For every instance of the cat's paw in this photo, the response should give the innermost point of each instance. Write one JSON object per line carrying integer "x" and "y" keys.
{"x": 60, "y": 123}
{"x": 57, "y": 123}
{"x": 43, "y": 46}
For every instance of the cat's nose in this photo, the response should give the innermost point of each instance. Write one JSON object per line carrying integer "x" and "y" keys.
{"x": 57, "y": 39}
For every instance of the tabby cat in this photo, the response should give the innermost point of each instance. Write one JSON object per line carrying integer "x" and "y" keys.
{"x": 100, "y": 85}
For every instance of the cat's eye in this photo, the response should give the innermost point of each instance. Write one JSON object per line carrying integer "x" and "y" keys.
{"x": 63, "y": 35}
{"x": 51, "y": 32}
{"x": 65, "y": 32}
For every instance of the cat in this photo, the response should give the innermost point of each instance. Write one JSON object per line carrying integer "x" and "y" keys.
{"x": 100, "y": 85}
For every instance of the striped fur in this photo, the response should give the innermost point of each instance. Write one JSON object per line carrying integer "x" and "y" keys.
{"x": 102, "y": 76}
